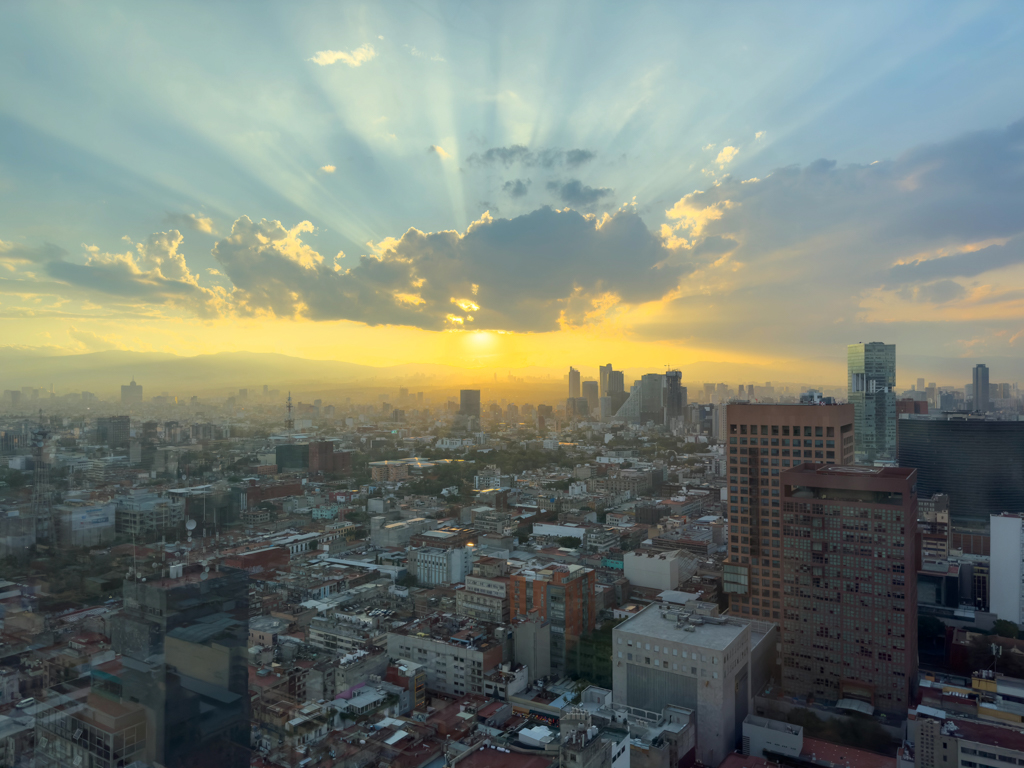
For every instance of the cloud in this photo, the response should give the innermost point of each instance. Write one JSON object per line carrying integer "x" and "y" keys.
{"x": 520, "y": 153}
{"x": 439, "y": 151}
{"x": 191, "y": 221}
{"x": 866, "y": 243}
{"x": 420, "y": 278}
{"x": 516, "y": 187}
{"x": 759, "y": 135}
{"x": 30, "y": 254}
{"x": 575, "y": 192}
{"x": 155, "y": 274}
{"x": 88, "y": 341}
{"x": 421, "y": 55}
{"x": 328, "y": 168}
{"x": 356, "y": 58}
{"x": 726, "y": 156}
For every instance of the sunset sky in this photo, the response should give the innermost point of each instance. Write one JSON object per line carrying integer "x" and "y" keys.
{"x": 508, "y": 185}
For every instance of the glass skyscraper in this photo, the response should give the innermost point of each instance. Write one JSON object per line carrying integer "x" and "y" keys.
{"x": 871, "y": 388}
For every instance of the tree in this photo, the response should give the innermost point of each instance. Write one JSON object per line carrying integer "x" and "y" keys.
{"x": 523, "y": 536}
{"x": 1005, "y": 628}
{"x": 570, "y": 542}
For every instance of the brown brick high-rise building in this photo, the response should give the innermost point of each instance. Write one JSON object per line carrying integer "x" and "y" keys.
{"x": 762, "y": 441}
{"x": 564, "y": 595}
{"x": 850, "y": 555}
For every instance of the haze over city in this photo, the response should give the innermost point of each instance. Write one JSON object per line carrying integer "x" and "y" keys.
{"x": 460, "y": 384}
{"x": 341, "y": 182}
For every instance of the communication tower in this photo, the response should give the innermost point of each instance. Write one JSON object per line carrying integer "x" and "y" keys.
{"x": 42, "y": 495}
{"x": 289, "y": 422}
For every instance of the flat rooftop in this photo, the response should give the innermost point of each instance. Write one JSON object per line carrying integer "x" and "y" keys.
{"x": 711, "y": 635}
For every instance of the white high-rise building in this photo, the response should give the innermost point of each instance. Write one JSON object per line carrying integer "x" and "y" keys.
{"x": 1006, "y": 564}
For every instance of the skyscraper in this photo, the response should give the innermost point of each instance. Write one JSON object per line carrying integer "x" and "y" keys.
{"x": 574, "y": 382}
{"x": 183, "y": 640}
{"x": 850, "y": 551}
{"x": 982, "y": 401}
{"x": 674, "y": 396}
{"x": 871, "y": 388}
{"x": 589, "y": 391}
{"x": 606, "y": 371}
{"x": 616, "y": 383}
{"x": 131, "y": 393}
{"x": 469, "y": 403}
{"x": 763, "y": 441}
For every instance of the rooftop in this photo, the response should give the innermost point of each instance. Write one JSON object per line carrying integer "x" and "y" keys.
{"x": 715, "y": 634}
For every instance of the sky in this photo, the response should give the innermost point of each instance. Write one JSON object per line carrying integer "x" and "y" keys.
{"x": 513, "y": 184}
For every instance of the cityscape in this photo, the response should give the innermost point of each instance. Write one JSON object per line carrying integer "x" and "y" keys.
{"x": 467, "y": 385}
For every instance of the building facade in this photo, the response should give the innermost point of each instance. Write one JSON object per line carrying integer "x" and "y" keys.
{"x": 871, "y": 389}
{"x": 850, "y": 555}
{"x": 564, "y": 596}
{"x": 763, "y": 441}
{"x": 978, "y": 462}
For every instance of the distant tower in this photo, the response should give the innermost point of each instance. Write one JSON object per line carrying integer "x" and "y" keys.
{"x": 289, "y": 422}
{"x": 42, "y": 508}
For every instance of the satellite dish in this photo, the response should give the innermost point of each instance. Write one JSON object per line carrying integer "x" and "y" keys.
{"x": 204, "y": 576}
{"x": 206, "y": 569}
{"x": 191, "y": 525}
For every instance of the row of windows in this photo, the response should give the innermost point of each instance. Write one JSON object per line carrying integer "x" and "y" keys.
{"x": 785, "y": 443}
{"x": 776, "y": 430}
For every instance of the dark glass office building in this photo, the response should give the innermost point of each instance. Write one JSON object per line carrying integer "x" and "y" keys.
{"x": 978, "y": 462}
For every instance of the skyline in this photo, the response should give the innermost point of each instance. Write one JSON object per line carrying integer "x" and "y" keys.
{"x": 371, "y": 186}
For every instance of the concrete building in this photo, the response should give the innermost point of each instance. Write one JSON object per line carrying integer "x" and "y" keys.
{"x": 564, "y": 595}
{"x": 455, "y": 655}
{"x": 85, "y": 524}
{"x": 849, "y": 544}
{"x": 707, "y": 664}
{"x": 763, "y": 441}
{"x": 113, "y": 431}
{"x": 484, "y": 599}
{"x": 982, "y": 394}
{"x": 575, "y": 389}
{"x": 871, "y": 389}
{"x": 937, "y": 739}
{"x": 131, "y": 393}
{"x": 469, "y": 403}
{"x": 657, "y": 570}
{"x": 766, "y": 738}
{"x": 532, "y": 642}
{"x": 446, "y": 538}
{"x": 434, "y": 566}
{"x": 397, "y": 534}
{"x": 1006, "y": 564}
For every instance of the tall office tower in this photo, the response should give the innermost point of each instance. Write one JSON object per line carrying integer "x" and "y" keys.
{"x": 978, "y": 462}
{"x": 742, "y": 392}
{"x": 673, "y": 396}
{"x": 113, "y": 431}
{"x": 982, "y": 401}
{"x": 1007, "y": 566}
{"x": 574, "y": 382}
{"x": 577, "y": 408}
{"x": 652, "y": 399}
{"x": 605, "y": 372}
{"x": 183, "y": 640}
{"x": 469, "y": 403}
{"x": 709, "y": 392}
{"x": 131, "y": 393}
{"x": 850, "y": 555}
{"x": 763, "y": 441}
{"x": 920, "y": 385}
{"x": 616, "y": 383}
{"x": 564, "y": 595}
{"x": 589, "y": 391}
{"x": 871, "y": 388}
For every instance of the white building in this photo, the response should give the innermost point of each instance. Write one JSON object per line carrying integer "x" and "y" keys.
{"x": 1007, "y": 567}
{"x": 434, "y": 565}
{"x": 708, "y": 664}
{"x": 654, "y": 570}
